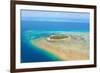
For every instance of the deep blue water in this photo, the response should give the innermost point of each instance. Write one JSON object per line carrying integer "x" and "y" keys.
{"x": 54, "y": 26}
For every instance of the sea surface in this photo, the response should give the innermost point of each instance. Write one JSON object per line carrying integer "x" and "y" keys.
{"x": 32, "y": 30}
{"x": 36, "y": 24}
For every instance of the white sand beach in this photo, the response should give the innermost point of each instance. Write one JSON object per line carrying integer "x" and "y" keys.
{"x": 70, "y": 47}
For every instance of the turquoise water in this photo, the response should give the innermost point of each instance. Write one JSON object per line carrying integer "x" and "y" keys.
{"x": 44, "y": 23}
{"x": 32, "y": 53}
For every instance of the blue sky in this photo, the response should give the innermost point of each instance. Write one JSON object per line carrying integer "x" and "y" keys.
{"x": 36, "y": 15}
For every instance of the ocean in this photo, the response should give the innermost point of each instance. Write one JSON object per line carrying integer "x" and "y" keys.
{"x": 31, "y": 30}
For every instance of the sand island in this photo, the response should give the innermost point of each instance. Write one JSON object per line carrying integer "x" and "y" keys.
{"x": 66, "y": 47}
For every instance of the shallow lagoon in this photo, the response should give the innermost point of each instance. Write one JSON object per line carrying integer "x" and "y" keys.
{"x": 34, "y": 53}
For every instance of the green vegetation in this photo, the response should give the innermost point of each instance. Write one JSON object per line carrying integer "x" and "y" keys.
{"x": 58, "y": 37}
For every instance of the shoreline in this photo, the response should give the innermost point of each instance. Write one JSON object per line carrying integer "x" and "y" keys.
{"x": 66, "y": 50}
